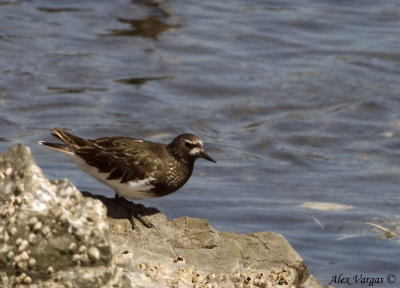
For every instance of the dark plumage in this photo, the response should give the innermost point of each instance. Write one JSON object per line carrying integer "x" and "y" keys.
{"x": 133, "y": 167}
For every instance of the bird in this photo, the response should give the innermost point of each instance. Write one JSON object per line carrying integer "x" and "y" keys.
{"x": 134, "y": 168}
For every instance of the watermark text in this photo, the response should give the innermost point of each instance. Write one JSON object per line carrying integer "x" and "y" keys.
{"x": 368, "y": 280}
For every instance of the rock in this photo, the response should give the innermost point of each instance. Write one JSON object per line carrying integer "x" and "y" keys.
{"x": 51, "y": 234}
{"x": 188, "y": 252}
{"x": 41, "y": 222}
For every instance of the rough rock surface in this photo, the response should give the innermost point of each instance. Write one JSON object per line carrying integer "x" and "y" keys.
{"x": 188, "y": 252}
{"x": 49, "y": 233}
{"x": 52, "y": 236}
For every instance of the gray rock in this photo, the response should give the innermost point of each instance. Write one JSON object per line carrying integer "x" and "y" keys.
{"x": 52, "y": 236}
{"x": 39, "y": 223}
{"x": 188, "y": 252}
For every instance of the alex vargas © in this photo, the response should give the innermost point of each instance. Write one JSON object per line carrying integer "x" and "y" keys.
{"x": 356, "y": 279}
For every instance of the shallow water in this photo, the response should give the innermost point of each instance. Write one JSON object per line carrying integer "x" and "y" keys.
{"x": 298, "y": 101}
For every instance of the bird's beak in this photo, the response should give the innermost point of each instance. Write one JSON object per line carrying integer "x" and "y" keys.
{"x": 207, "y": 157}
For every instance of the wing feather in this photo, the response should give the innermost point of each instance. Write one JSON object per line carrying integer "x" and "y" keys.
{"x": 126, "y": 159}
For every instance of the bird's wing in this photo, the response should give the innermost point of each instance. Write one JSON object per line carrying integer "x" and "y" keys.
{"x": 125, "y": 159}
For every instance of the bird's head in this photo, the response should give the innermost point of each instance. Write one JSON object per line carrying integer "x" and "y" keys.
{"x": 188, "y": 147}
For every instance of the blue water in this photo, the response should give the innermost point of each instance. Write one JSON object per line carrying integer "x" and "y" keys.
{"x": 297, "y": 100}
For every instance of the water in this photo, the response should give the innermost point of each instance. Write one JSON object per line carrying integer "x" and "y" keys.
{"x": 298, "y": 101}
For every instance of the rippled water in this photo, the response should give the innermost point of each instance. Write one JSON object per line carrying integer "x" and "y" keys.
{"x": 298, "y": 101}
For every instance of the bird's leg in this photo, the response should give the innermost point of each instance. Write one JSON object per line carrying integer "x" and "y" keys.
{"x": 135, "y": 211}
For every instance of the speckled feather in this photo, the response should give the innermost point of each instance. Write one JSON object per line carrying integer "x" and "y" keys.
{"x": 133, "y": 167}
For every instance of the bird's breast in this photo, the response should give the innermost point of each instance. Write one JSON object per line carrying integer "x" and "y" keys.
{"x": 177, "y": 174}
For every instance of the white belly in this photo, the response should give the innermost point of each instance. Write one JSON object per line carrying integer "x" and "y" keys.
{"x": 132, "y": 189}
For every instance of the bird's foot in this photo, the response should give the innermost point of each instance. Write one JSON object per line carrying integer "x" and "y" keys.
{"x": 137, "y": 211}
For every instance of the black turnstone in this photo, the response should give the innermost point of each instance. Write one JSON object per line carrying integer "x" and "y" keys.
{"x": 134, "y": 168}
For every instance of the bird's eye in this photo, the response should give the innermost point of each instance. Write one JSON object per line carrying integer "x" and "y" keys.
{"x": 190, "y": 145}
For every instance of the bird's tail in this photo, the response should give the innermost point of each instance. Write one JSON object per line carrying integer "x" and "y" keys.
{"x": 68, "y": 138}
{"x": 71, "y": 142}
{"x": 56, "y": 146}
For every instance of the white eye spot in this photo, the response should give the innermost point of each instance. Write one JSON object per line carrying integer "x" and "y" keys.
{"x": 195, "y": 151}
